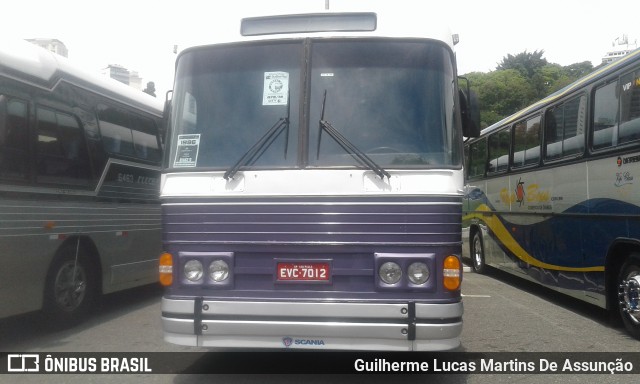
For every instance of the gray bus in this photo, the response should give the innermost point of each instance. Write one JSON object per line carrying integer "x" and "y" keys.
{"x": 79, "y": 181}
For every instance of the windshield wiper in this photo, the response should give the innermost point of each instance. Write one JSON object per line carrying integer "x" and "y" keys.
{"x": 348, "y": 146}
{"x": 262, "y": 145}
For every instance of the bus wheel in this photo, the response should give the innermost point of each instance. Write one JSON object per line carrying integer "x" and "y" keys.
{"x": 71, "y": 286}
{"x": 629, "y": 292}
{"x": 477, "y": 253}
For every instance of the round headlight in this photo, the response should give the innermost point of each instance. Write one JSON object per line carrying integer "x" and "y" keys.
{"x": 218, "y": 270}
{"x": 418, "y": 273}
{"x": 390, "y": 272}
{"x": 193, "y": 270}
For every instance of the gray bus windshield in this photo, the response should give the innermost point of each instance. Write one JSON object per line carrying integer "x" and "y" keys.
{"x": 392, "y": 99}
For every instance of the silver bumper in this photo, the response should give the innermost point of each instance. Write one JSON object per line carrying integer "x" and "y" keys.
{"x": 309, "y": 325}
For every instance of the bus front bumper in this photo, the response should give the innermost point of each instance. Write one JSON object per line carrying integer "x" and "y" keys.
{"x": 312, "y": 325}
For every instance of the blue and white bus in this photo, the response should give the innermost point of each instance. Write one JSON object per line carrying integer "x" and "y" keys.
{"x": 553, "y": 195}
{"x": 312, "y": 190}
{"x": 80, "y": 159}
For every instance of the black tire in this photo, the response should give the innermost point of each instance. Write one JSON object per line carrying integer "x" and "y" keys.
{"x": 629, "y": 289}
{"x": 477, "y": 253}
{"x": 71, "y": 287}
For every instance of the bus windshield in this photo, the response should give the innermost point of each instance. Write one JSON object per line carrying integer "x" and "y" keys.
{"x": 393, "y": 100}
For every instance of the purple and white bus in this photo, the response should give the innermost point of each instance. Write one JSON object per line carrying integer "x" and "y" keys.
{"x": 312, "y": 188}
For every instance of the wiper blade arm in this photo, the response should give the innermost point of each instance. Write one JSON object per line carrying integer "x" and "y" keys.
{"x": 260, "y": 146}
{"x": 348, "y": 146}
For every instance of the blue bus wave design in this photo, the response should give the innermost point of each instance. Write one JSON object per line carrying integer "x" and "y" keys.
{"x": 577, "y": 238}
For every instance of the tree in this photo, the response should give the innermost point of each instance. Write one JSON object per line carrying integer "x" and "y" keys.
{"x": 549, "y": 79}
{"x": 578, "y": 70}
{"x": 520, "y": 80}
{"x": 150, "y": 89}
{"x": 500, "y": 94}
{"x": 526, "y": 63}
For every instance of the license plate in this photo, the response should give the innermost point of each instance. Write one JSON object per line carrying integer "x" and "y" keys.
{"x": 303, "y": 272}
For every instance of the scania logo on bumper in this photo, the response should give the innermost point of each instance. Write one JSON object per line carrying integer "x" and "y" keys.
{"x": 288, "y": 341}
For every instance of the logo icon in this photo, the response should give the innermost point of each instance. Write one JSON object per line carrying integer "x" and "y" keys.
{"x": 520, "y": 192}
{"x": 287, "y": 341}
{"x": 23, "y": 363}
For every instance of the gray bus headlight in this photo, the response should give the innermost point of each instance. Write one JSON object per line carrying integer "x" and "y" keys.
{"x": 390, "y": 272}
{"x": 218, "y": 270}
{"x": 418, "y": 273}
{"x": 193, "y": 270}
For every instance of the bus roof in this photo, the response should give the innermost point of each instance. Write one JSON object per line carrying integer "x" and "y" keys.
{"x": 389, "y": 20}
{"x": 351, "y": 24}
{"x": 29, "y": 63}
{"x": 590, "y": 78}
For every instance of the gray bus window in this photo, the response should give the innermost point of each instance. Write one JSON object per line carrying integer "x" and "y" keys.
{"x": 605, "y": 116}
{"x": 629, "y": 108}
{"x": 115, "y": 131}
{"x": 62, "y": 155}
{"x": 526, "y": 142}
{"x": 478, "y": 158}
{"x": 145, "y": 143}
{"x": 499, "y": 151}
{"x": 564, "y": 128}
{"x": 13, "y": 138}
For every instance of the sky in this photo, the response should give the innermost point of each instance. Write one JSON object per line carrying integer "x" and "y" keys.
{"x": 141, "y": 34}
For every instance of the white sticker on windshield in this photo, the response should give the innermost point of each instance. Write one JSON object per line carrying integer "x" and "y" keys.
{"x": 276, "y": 88}
{"x": 187, "y": 150}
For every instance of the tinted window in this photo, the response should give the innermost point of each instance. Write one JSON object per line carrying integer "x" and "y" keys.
{"x": 477, "y": 158}
{"x": 564, "y": 128}
{"x": 526, "y": 142}
{"x": 145, "y": 141}
{"x": 13, "y": 138}
{"x": 630, "y": 108}
{"x": 62, "y": 155}
{"x": 391, "y": 101}
{"x": 114, "y": 128}
{"x": 616, "y": 117}
{"x": 499, "y": 151}
{"x": 228, "y": 97}
{"x": 605, "y": 116}
{"x": 124, "y": 133}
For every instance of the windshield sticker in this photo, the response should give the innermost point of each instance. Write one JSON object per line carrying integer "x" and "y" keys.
{"x": 276, "y": 88}
{"x": 187, "y": 150}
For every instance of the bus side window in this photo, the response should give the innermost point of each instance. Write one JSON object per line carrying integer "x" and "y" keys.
{"x": 553, "y": 123}
{"x": 477, "y": 159}
{"x": 499, "y": 151}
{"x": 526, "y": 142}
{"x": 62, "y": 156}
{"x": 13, "y": 138}
{"x": 145, "y": 143}
{"x": 115, "y": 131}
{"x": 564, "y": 129}
{"x": 629, "y": 108}
{"x": 605, "y": 116}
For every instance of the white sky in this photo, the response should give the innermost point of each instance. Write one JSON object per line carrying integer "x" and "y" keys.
{"x": 140, "y": 34}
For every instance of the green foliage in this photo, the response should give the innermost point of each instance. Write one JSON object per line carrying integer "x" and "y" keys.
{"x": 519, "y": 81}
{"x": 526, "y": 63}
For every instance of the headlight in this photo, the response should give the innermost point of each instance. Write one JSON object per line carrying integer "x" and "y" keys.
{"x": 390, "y": 272}
{"x": 218, "y": 270}
{"x": 193, "y": 270}
{"x": 418, "y": 273}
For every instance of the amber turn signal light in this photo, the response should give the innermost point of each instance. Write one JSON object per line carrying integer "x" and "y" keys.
{"x": 166, "y": 269}
{"x": 451, "y": 273}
